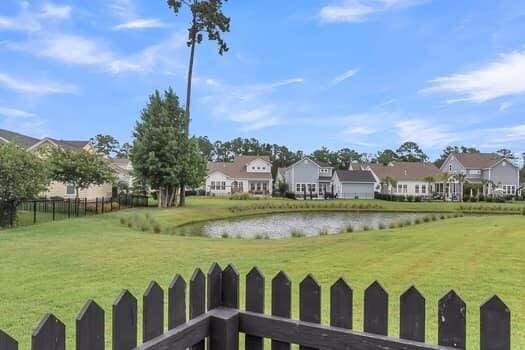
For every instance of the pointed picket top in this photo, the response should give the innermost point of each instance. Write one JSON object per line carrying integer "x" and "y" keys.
{"x": 176, "y": 302}
{"x": 341, "y": 304}
{"x": 255, "y": 291}
{"x": 412, "y": 315}
{"x": 197, "y": 276}
{"x": 153, "y": 290}
{"x": 230, "y": 287}
{"x": 494, "y": 325}
{"x": 90, "y": 327}
{"x": 310, "y": 300}
{"x": 177, "y": 282}
{"x": 214, "y": 286}
{"x": 281, "y": 278}
{"x": 281, "y": 295}
{"x": 124, "y": 297}
{"x": 255, "y": 275}
{"x": 452, "y": 320}
{"x": 49, "y": 334}
{"x": 376, "y": 309}
{"x": 6, "y": 342}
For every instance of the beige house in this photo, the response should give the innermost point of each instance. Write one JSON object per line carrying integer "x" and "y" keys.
{"x": 410, "y": 177}
{"x": 40, "y": 147}
{"x": 250, "y": 174}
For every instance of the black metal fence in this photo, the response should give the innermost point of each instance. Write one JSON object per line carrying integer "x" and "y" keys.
{"x": 223, "y": 321}
{"x": 42, "y": 210}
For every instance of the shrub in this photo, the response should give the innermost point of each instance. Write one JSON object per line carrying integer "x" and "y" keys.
{"x": 366, "y": 228}
{"x": 426, "y": 219}
{"x": 523, "y": 211}
{"x": 417, "y": 221}
{"x": 240, "y": 196}
{"x": 381, "y": 226}
{"x": 417, "y": 199}
{"x": 392, "y": 225}
{"x": 349, "y": 228}
{"x": 410, "y": 198}
{"x": 157, "y": 228}
{"x": 324, "y": 232}
{"x": 408, "y": 222}
{"x": 297, "y": 234}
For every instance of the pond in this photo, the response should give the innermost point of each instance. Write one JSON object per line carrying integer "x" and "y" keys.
{"x": 278, "y": 226}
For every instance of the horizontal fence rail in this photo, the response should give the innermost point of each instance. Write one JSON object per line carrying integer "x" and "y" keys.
{"x": 214, "y": 315}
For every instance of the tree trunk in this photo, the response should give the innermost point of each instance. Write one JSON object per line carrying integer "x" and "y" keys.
{"x": 193, "y": 38}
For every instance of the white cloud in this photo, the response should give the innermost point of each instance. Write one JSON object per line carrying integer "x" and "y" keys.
{"x": 33, "y": 21}
{"x": 355, "y": 11}
{"x": 247, "y": 106}
{"x": 359, "y": 131}
{"x": 123, "y": 8}
{"x": 79, "y": 50}
{"x": 504, "y": 106}
{"x": 504, "y": 77}
{"x": 145, "y": 23}
{"x": 38, "y": 88}
{"x": 516, "y": 132}
{"x": 50, "y": 10}
{"x": 345, "y": 76}
{"x": 425, "y": 133}
{"x": 15, "y": 113}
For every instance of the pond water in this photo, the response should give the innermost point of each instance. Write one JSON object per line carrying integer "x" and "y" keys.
{"x": 277, "y": 226}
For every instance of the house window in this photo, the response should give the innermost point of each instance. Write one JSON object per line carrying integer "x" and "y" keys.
{"x": 264, "y": 168}
{"x": 258, "y": 168}
{"x": 70, "y": 190}
{"x": 253, "y": 168}
{"x": 223, "y": 185}
{"x": 313, "y": 187}
{"x": 265, "y": 186}
{"x": 252, "y": 187}
{"x": 212, "y": 185}
{"x": 450, "y": 167}
{"x": 258, "y": 186}
{"x": 399, "y": 188}
{"x": 303, "y": 187}
{"x": 405, "y": 188}
{"x": 423, "y": 189}
{"x": 298, "y": 188}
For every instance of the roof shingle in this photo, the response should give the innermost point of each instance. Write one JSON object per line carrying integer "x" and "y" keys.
{"x": 237, "y": 168}
{"x": 355, "y": 176}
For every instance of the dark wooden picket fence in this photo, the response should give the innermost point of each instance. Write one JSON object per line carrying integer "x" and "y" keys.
{"x": 214, "y": 315}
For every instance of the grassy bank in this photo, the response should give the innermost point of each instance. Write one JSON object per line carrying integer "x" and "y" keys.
{"x": 55, "y": 267}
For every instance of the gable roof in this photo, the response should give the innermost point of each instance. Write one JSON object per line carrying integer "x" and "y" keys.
{"x": 28, "y": 142}
{"x": 355, "y": 176}
{"x": 19, "y": 139}
{"x": 237, "y": 168}
{"x": 478, "y": 160}
{"x": 403, "y": 171}
{"x": 319, "y": 162}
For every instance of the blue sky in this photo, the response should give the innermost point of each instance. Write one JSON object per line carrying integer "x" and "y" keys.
{"x": 363, "y": 74}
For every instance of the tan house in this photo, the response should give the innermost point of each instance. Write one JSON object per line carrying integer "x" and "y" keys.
{"x": 250, "y": 174}
{"x": 40, "y": 147}
{"x": 410, "y": 177}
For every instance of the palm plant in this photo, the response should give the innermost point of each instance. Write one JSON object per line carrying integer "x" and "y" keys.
{"x": 461, "y": 179}
{"x": 390, "y": 182}
{"x": 429, "y": 180}
{"x": 445, "y": 177}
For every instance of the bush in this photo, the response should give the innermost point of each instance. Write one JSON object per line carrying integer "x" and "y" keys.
{"x": 410, "y": 198}
{"x": 297, "y": 234}
{"x": 349, "y": 228}
{"x": 523, "y": 211}
{"x": 290, "y": 195}
{"x": 241, "y": 196}
{"x": 418, "y": 199}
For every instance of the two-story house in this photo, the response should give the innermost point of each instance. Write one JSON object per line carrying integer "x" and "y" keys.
{"x": 307, "y": 175}
{"x": 40, "y": 148}
{"x": 250, "y": 174}
{"x": 498, "y": 174}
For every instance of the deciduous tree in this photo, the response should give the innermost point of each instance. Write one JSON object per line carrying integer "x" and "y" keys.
{"x": 411, "y": 152}
{"x": 22, "y": 176}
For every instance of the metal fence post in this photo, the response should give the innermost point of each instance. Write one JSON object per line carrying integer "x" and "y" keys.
{"x": 34, "y": 212}
{"x": 96, "y": 205}
{"x": 53, "y": 208}
{"x": 102, "y": 204}
{"x": 68, "y": 208}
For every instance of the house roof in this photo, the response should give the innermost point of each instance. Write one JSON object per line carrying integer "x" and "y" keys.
{"x": 21, "y": 140}
{"x": 319, "y": 162}
{"x": 237, "y": 168}
{"x": 403, "y": 171}
{"x": 26, "y": 142}
{"x": 355, "y": 176}
{"x": 478, "y": 160}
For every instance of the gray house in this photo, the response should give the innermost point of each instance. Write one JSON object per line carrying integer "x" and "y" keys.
{"x": 312, "y": 176}
{"x": 499, "y": 175}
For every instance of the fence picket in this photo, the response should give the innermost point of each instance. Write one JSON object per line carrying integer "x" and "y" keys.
{"x": 494, "y": 325}
{"x": 452, "y": 320}
{"x": 230, "y": 287}
{"x": 153, "y": 312}
{"x": 197, "y": 300}
{"x": 6, "y": 342}
{"x": 309, "y": 302}
{"x": 281, "y": 303}
{"x": 376, "y": 310}
{"x": 341, "y": 308}
{"x": 50, "y": 334}
{"x": 214, "y": 286}
{"x": 412, "y": 315}
{"x": 177, "y": 302}
{"x": 125, "y": 321}
{"x": 90, "y": 327}
{"x": 254, "y": 303}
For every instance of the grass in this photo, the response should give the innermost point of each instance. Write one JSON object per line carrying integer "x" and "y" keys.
{"x": 56, "y": 267}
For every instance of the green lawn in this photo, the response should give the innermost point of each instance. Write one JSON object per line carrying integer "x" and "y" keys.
{"x": 55, "y": 267}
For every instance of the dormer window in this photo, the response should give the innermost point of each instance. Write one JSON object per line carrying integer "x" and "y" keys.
{"x": 450, "y": 167}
